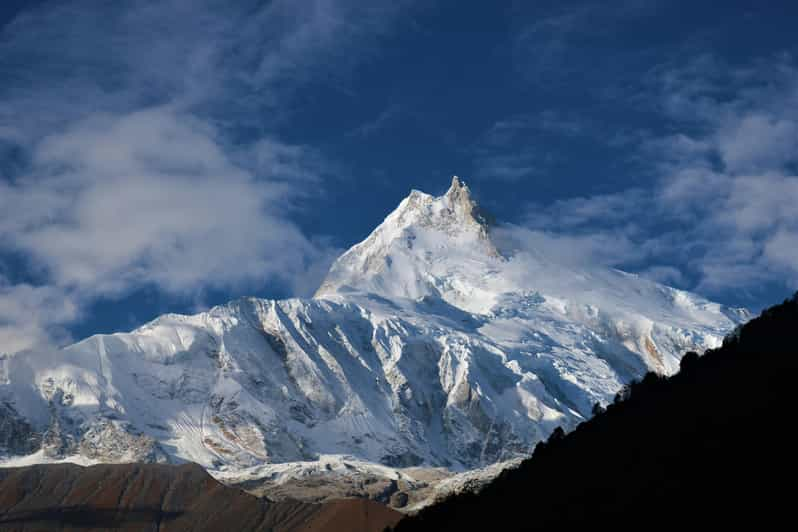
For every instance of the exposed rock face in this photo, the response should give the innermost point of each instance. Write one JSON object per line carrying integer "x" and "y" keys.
{"x": 374, "y": 264}
{"x": 100, "y": 439}
{"x": 165, "y": 498}
{"x": 58, "y": 442}
{"x": 406, "y": 490}
{"x": 17, "y": 436}
{"x": 113, "y": 441}
{"x": 460, "y": 201}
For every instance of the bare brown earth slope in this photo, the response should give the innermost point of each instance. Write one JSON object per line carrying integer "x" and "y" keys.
{"x": 157, "y": 497}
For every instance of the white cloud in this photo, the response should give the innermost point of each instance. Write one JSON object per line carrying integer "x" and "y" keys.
{"x": 550, "y": 51}
{"x": 515, "y": 148}
{"x": 723, "y": 213}
{"x": 781, "y": 250}
{"x": 757, "y": 141}
{"x": 669, "y": 275}
{"x": 390, "y": 114}
{"x": 32, "y": 316}
{"x": 135, "y": 172}
{"x": 151, "y": 197}
{"x": 607, "y": 248}
{"x": 237, "y": 62}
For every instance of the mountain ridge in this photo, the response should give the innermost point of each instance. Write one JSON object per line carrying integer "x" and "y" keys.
{"x": 426, "y": 348}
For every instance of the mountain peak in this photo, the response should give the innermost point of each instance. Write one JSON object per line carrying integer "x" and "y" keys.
{"x": 423, "y": 239}
{"x": 457, "y": 189}
{"x": 453, "y": 212}
{"x": 424, "y": 346}
{"x": 461, "y": 202}
{"x": 459, "y": 198}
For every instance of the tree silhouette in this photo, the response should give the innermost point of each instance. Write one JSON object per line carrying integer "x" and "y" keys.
{"x": 710, "y": 447}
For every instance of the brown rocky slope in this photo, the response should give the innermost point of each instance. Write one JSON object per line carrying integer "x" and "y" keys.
{"x": 165, "y": 498}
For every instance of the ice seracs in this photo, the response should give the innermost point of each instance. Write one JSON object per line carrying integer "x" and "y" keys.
{"x": 426, "y": 345}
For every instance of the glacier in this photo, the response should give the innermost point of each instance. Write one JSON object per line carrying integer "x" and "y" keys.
{"x": 436, "y": 342}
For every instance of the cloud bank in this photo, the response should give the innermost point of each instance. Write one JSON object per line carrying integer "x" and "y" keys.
{"x": 721, "y": 212}
{"x": 139, "y": 147}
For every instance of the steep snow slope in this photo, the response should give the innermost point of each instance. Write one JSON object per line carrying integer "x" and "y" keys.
{"x": 427, "y": 247}
{"x": 427, "y": 344}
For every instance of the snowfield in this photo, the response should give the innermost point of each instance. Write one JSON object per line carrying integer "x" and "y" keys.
{"x": 428, "y": 344}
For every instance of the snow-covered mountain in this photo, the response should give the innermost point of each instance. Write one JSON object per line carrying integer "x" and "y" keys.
{"x": 430, "y": 343}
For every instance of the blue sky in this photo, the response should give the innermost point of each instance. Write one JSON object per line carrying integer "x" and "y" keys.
{"x": 166, "y": 156}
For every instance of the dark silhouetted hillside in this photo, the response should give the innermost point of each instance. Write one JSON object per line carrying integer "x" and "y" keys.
{"x": 712, "y": 446}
